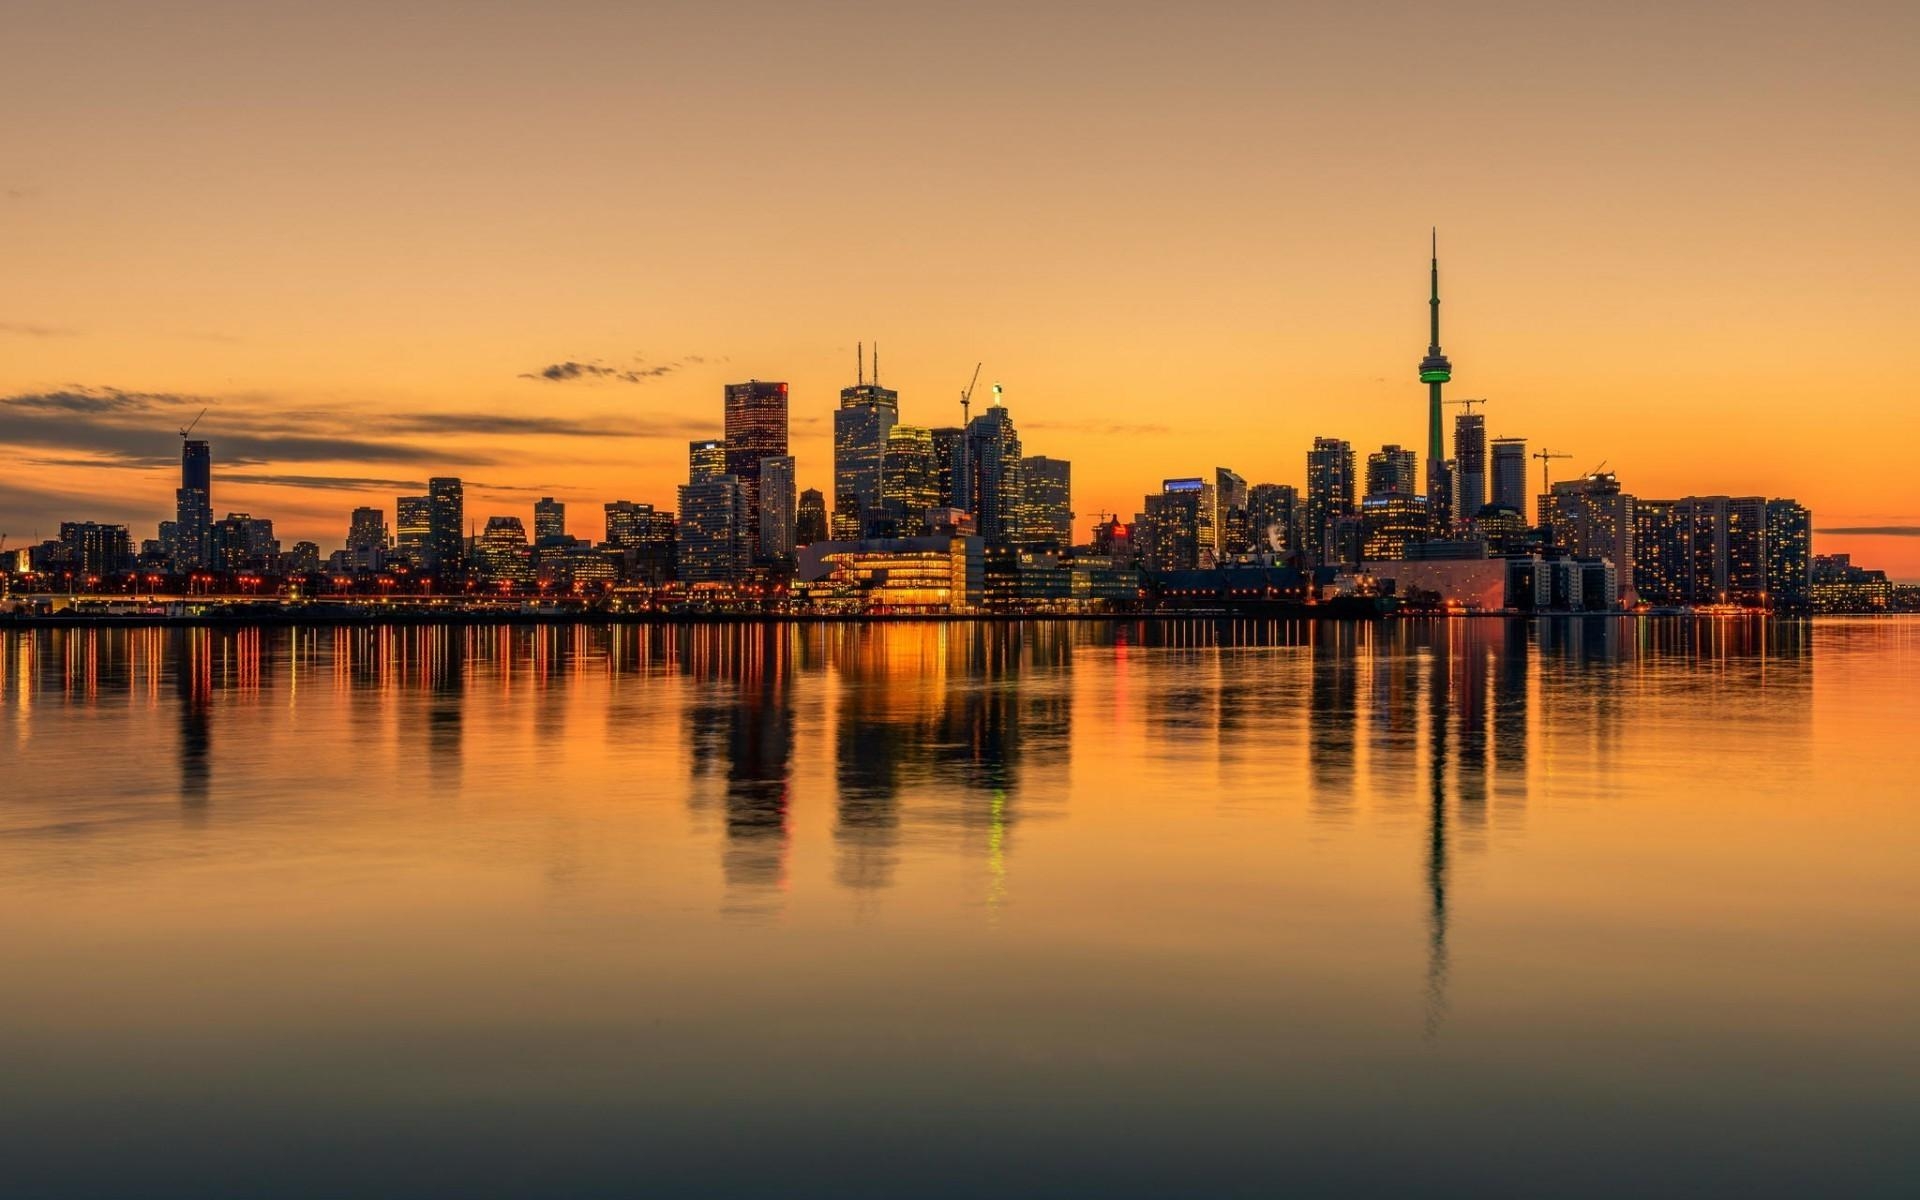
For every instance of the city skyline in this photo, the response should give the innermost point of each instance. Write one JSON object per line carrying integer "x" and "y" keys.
{"x": 1627, "y": 278}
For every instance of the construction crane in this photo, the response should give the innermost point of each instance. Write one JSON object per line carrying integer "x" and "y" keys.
{"x": 191, "y": 424}
{"x": 966, "y": 397}
{"x": 1467, "y": 402}
{"x": 1546, "y": 458}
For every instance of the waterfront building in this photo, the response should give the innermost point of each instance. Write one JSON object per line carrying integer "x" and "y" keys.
{"x": 242, "y": 542}
{"x": 922, "y": 574}
{"x": 501, "y": 555}
{"x": 645, "y": 539}
{"x": 712, "y": 545}
{"x": 1046, "y": 513}
{"x": 1391, "y": 470}
{"x": 90, "y": 548}
{"x": 993, "y": 490}
{"x": 446, "y": 527}
{"x": 367, "y": 540}
{"x": 861, "y": 425}
{"x": 908, "y": 484}
{"x": 303, "y": 559}
{"x": 1390, "y": 522}
{"x": 1274, "y": 518}
{"x": 1509, "y": 474}
{"x": 1592, "y": 518}
{"x": 756, "y": 429}
{"x": 777, "y": 504}
{"x": 1789, "y": 556}
{"x": 1179, "y": 526}
{"x": 1330, "y": 494}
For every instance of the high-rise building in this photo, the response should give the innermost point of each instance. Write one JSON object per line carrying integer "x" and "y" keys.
{"x": 193, "y": 507}
{"x": 1747, "y": 550}
{"x": 242, "y": 542}
{"x": 1232, "y": 533}
{"x": 446, "y": 527}
{"x": 706, "y": 459}
{"x": 549, "y": 521}
{"x": 867, "y": 414}
{"x": 92, "y": 549}
{"x": 1435, "y": 371}
{"x": 1274, "y": 517}
{"x": 1391, "y": 471}
{"x": 909, "y": 484}
{"x": 1469, "y": 468}
{"x": 1179, "y": 526}
{"x": 756, "y": 430}
{"x": 501, "y": 554}
{"x": 994, "y": 489}
{"x": 810, "y": 522}
{"x": 1592, "y": 518}
{"x": 1046, "y": 514}
{"x": 645, "y": 539}
{"x": 1789, "y": 556}
{"x": 1330, "y": 487}
{"x": 949, "y": 464}
{"x": 1391, "y": 521}
{"x": 1510, "y": 473}
{"x": 777, "y": 501}
{"x": 712, "y": 545}
{"x": 367, "y": 539}
{"x": 413, "y": 526}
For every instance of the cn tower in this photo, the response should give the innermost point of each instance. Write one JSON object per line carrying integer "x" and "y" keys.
{"x": 1435, "y": 370}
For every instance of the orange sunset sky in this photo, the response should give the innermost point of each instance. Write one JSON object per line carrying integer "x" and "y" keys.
{"x": 1676, "y": 238}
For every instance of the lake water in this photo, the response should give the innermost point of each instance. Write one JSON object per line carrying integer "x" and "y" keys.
{"x": 1574, "y": 908}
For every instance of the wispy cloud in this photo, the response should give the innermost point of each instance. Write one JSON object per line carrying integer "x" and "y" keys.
{"x": 27, "y": 329}
{"x": 594, "y": 370}
{"x": 1912, "y": 531}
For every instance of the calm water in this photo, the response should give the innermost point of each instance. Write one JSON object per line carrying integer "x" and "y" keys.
{"x": 1566, "y": 908}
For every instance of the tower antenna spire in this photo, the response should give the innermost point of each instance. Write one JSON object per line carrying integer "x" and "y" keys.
{"x": 876, "y": 364}
{"x": 859, "y": 362}
{"x": 1435, "y": 371}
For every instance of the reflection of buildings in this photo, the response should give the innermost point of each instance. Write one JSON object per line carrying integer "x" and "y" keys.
{"x": 739, "y": 726}
{"x": 193, "y": 691}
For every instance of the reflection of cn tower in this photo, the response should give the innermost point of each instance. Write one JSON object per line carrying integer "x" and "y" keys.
{"x": 1435, "y": 371}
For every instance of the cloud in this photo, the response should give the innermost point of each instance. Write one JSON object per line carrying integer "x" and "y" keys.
{"x": 24, "y": 329}
{"x": 492, "y": 423}
{"x": 563, "y": 372}
{"x": 1912, "y": 531}
{"x": 332, "y": 483}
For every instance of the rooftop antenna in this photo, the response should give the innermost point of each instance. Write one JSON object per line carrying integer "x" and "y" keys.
{"x": 860, "y": 362}
{"x": 966, "y": 397}
{"x": 876, "y": 364}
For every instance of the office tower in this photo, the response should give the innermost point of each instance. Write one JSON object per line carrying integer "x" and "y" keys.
{"x": 1330, "y": 486}
{"x": 993, "y": 473}
{"x": 1231, "y": 533}
{"x": 711, "y": 543}
{"x": 193, "y": 506}
{"x": 1179, "y": 523}
{"x": 412, "y": 526}
{"x": 1046, "y": 515}
{"x": 1389, "y": 522}
{"x": 303, "y": 559}
{"x": 1391, "y": 471}
{"x": 1273, "y": 518}
{"x": 909, "y": 485}
{"x": 447, "y": 527}
{"x": 706, "y": 459}
{"x": 777, "y": 502}
{"x": 949, "y": 464}
{"x": 549, "y": 521}
{"x": 242, "y": 542}
{"x": 645, "y": 539}
{"x": 367, "y": 539}
{"x": 1469, "y": 468}
{"x": 1510, "y": 473}
{"x": 501, "y": 554}
{"x": 91, "y": 549}
{"x": 1440, "y": 500}
{"x": 810, "y": 521}
{"x": 756, "y": 430}
{"x": 867, "y": 414}
{"x": 1789, "y": 556}
{"x": 1592, "y": 518}
{"x": 1435, "y": 371}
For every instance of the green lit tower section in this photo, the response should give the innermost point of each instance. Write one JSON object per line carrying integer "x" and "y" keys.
{"x": 1435, "y": 371}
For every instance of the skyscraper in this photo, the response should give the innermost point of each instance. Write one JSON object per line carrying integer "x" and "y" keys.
{"x": 810, "y": 521}
{"x": 645, "y": 539}
{"x": 1592, "y": 518}
{"x": 1046, "y": 513}
{"x": 909, "y": 485}
{"x": 412, "y": 526}
{"x": 1231, "y": 534}
{"x": 1469, "y": 468}
{"x": 706, "y": 459}
{"x": 1273, "y": 518}
{"x": 949, "y": 465}
{"x": 549, "y": 521}
{"x": 1330, "y": 486}
{"x": 756, "y": 430}
{"x": 446, "y": 527}
{"x": 1179, "y": 521}
{"x": 193, "y": 507}
{"x": 367, "y": 539}
{"x": 993, "y": 469}
{"x": 502, "y": 554}
{"x": 867, "y": 414}
{"x": 711, "y": 541}
{"x": 1391, "y": 471}
{"x": 776, "y": 507}
{"x": 1510, "y": 473}
{"x": 1789, "y": 556}
{"x": 1435, "y": 371}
